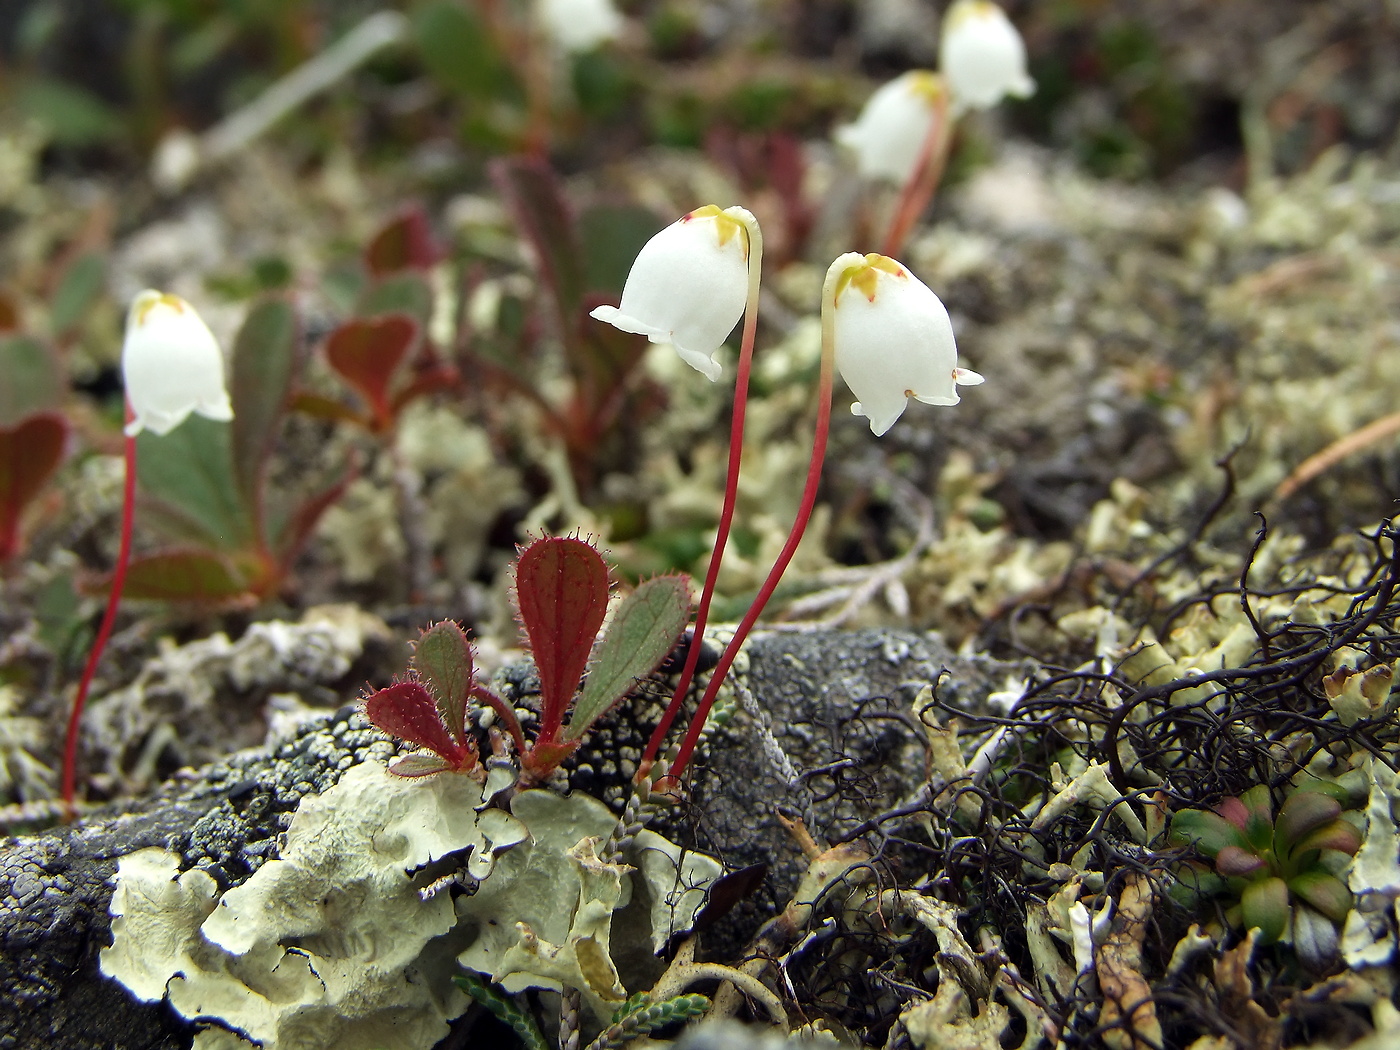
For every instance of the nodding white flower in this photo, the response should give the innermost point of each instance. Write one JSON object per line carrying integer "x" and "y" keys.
{"x": 688, "y": 286}
{"x": 171, "y": 364}
{"x": 889, "y": 134}
{"x": 893, "y": 341}
{"x": 982, "y": 56}
{"x": 579, "y": 25}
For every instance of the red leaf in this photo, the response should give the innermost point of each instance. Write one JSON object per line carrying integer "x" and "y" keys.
{"x": 407, "y": 710}
{"x": 404, "y": 243}
{"x": 367, "y": 353}
{"x": 30, "y": 451}
{"x": 561, "y": 590}
{"x": 9, "y": 311}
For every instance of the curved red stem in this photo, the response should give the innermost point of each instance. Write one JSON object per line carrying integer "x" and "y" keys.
{"x": 114, "y": 598}
{"x": 726, "y": 516}
{"x": 799, "y": 526}
{"x": 923, "y": 182}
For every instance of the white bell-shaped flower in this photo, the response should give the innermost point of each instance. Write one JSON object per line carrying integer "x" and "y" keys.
{"x": 893, "y": 341}
{"x": 171, "y": 364}
{"x": 981, "y": 55}
{"x": 688, "y": 286}
{"x": 579, "y": 25}
{"x": 889, "y": 134}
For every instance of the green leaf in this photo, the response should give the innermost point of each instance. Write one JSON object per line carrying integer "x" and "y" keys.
{"x": 1208, "y": 832}
{"x": 642, "y": 632}
{"x": 30, "y": 451}
{"x": 561, "y": 590}
{"x": 1325, "y": 892}
{"x": 1193, "y": 884}
{"x": 1259, "y": 827}
{"x": 264, "y": 368}
{"x": 1302, "y": 812}
{"x": 443, "y": 659}
{"x": 458, "y": 51}
{"x": 33, "y": 380}
{"x": 611, "y": 235}
{"x": 184, "y": 576}
{"x": 1264, "y": 905}
{"x": 648, "y": 1018}
{"x": 535, "y": 197}
{"x": 403, "y": 293}
{"x": 1234, "y": 862}
{"x": 188, "y": 477}
{"x": 504, "y": 1008}
{"x": 81, "y": 285}
{"x": 1339, "y": 834}
{"x": 70, "y": 115}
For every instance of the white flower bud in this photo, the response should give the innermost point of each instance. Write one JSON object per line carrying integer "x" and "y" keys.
{"x": 981, "y": 55}
{"x": 579, "y": 25}
{"x": 889, "y": 134}
{"x": 171, "y": 364}
{"x": 688, "y": 286}
{"x": 893, "y": 341}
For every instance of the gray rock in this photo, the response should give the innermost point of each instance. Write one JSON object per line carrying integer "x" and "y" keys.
{"x": 838, "y": 706}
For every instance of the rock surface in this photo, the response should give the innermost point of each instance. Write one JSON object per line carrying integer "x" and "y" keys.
{"x": 838, "y": 704}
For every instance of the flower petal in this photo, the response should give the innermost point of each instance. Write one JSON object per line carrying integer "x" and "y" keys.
{"x": 889, "y": 134}
{"x": 171, "y": 365}
{"x": 893, "y": 341}
{"x": 982, "y": 56}
{"x": 687, "y": 287}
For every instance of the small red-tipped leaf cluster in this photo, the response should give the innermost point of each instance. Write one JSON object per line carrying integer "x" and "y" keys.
{"x": 429, "y": 708}
{"x": 561, "y": 592}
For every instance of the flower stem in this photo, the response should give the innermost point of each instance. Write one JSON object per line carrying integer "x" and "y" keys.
{"x": 923, "y": 182}
{"x": 799, "y": 526}
{"x": 114, "y": 598}
{"x": 731, "y": 487}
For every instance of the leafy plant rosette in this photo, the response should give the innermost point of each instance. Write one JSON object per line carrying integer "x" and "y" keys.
{"x": 205, "y": 484}
{"x": 1281, "y": 868}
{"x": 562, "y": 592}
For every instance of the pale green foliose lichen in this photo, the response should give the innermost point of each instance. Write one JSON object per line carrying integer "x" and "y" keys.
{"x": 332, "y": 945}
{"x": 545, "y": 917}
{"x": 328, "y": 945}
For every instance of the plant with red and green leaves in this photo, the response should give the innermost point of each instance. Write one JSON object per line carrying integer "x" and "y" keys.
{"x": 381, "y": 353}
{"x": 33, "y": 431}
{"x": 581, "y": 260}
{"x": 561, "y": 593}
{"x": 204, "y": 484}
{"x": 1280, "y": 867}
